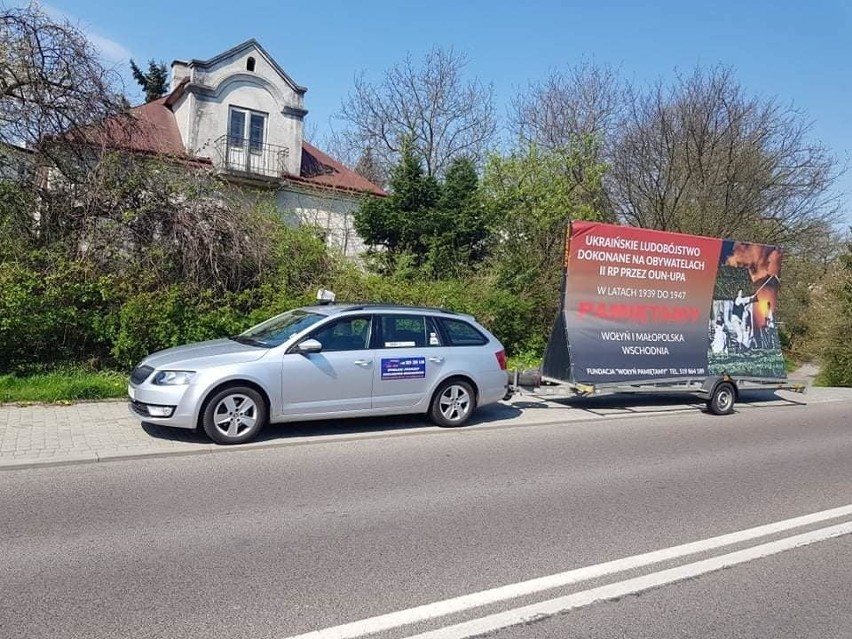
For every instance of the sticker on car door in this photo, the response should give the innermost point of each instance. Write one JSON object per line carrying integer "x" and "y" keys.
{"x": 403, "y": 368}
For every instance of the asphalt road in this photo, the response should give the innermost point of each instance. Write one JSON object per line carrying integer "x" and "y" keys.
{"x": 278, "y": 542}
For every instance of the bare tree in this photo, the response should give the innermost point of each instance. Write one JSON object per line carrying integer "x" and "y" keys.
{"x": 429, "y": 102}
{"x": 703, "y": 157}
{"x": 581, "y": 100}
{"x": 52, "y": 85}
{"x": 369, "y": 168}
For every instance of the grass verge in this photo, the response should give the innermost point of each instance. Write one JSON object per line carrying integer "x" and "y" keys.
{"x": 62, "y": 386}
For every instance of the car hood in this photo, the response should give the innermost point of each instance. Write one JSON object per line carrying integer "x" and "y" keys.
{"x": 201, "y": 355}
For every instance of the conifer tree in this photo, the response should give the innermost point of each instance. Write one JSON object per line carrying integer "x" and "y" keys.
{"x": 154, "y": 82}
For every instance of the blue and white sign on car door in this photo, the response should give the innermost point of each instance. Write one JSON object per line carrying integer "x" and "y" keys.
{"x": 404, "y": 368}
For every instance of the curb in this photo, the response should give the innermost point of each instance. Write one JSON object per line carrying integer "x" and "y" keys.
{"x": 62, "y": 403}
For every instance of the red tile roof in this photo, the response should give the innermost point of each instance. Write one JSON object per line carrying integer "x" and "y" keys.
{"x": 154, "y": 130}
{"x": 323, "y": 170}
{"x": 149, "y": 128}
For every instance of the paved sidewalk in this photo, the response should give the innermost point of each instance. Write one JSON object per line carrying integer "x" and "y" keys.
{"x": 101, "y": 431}
{"x": 88, "y": 431}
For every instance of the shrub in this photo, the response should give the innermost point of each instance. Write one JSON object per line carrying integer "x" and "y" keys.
{"x": 50, "y": 311}
{"x": 514, "y": 320}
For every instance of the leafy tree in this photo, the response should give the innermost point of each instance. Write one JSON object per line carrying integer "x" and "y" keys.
{"x": 833, "y": 322}
{"x": 17, "y": 232}
{"x": 806, "y": 262}
{"x": 531, "y": 195}
{"x": 155, "y": 82}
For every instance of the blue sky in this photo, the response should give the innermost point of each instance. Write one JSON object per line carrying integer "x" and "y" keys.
{"x": 798, "y": 52}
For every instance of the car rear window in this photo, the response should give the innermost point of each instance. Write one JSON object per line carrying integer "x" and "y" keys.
{"x": 460, "y": 333}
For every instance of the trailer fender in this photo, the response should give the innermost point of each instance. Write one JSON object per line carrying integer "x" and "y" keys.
{"x": 721, "y": 393}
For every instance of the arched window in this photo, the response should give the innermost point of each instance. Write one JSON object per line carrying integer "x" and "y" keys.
{"x": 250, "y": 64}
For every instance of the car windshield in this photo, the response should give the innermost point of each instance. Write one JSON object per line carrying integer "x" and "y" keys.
{"x": 274, "y": 332}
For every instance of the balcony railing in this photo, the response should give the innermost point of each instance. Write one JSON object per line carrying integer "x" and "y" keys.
{"x": 243, "y": 157}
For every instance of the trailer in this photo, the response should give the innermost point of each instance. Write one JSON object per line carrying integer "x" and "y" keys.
{"x": 646, "y": 311}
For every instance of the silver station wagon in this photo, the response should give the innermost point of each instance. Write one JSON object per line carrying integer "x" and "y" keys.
{"x": 323, "y": 362}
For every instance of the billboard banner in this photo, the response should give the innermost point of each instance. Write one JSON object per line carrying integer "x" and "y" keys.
{"x": 640, "y": 304}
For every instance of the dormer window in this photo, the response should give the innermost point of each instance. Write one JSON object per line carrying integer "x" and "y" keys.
{"x": 250, "y": 64}
{"x": 246, "y": 128}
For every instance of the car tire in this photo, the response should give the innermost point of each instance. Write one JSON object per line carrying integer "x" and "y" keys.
{"x": 234, "y": 415}
{"x": 453, "y": 403}
{"x": 722, "y": 400}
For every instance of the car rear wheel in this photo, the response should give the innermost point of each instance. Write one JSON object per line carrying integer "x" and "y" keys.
{"x": 234, "y": 415}
{"x": 453, "y": 403}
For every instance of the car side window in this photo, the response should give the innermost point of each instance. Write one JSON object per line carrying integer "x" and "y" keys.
{"x": 403, "y": 331}
{"x": 460, "y": 333}
{"x": 345, "y": 334}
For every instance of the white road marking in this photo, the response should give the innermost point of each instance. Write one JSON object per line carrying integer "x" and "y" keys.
{"x": 503, "y": 593}
{"x": 546, "y": 609}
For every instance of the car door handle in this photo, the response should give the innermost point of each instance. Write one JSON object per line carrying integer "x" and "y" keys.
{"x": 436, "y": 360}
{"x": 363, "y": 363}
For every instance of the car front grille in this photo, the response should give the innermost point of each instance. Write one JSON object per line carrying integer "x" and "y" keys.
{"x": 140, "y": 374}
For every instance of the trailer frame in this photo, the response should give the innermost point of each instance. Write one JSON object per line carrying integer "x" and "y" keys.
{"x": 719, "y": 392}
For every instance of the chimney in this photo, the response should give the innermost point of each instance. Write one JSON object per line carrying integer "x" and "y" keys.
{"x": 180, "y": 70}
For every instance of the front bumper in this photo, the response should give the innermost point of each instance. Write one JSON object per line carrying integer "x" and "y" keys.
{"x": 149, "y": 403}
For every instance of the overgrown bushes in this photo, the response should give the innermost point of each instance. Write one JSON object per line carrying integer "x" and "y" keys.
{"x": 832, "y": 323}
{"x": 142, "y": 256}
{"x": 64, "y": 313}
{"x": 73, "y": 315}
{"x": 518, "y": 321}
{"x": 51, "y": 311}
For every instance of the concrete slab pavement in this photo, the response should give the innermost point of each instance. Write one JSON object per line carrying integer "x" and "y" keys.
{"x": 91, "y": 432}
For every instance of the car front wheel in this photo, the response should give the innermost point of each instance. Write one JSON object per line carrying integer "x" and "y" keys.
{"x": 453, "y": 403}
{"x": 234, "y": 415}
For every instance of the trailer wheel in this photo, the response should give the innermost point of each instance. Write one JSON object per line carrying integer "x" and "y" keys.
{"x": 721, "y": 402}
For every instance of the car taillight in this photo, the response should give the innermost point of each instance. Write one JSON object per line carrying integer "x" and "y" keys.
{"x": 501, "y": 359}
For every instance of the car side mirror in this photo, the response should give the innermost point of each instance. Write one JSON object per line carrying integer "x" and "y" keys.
{"x": 309, "y": 346}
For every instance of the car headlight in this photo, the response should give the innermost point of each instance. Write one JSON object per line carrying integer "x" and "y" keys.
{"x": 173, "y": 378}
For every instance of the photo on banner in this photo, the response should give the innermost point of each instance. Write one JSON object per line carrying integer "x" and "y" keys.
{"x": 743, "y": 323}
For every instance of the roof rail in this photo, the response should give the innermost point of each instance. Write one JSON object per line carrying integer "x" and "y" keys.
{"x": 373, "y": 305}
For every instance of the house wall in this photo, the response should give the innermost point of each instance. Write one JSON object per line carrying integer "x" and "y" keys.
{"x": 332, "y": 212}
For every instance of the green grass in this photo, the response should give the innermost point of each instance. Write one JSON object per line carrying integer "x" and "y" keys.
{"x": 64, "y": 385}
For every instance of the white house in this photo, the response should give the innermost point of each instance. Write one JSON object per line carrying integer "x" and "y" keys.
{"x": 242, "y": 113}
